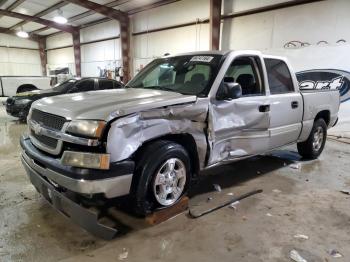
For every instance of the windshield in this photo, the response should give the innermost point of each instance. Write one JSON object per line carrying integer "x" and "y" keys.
{"x": 64, "y": 86}
{"x": 190, "y": 74}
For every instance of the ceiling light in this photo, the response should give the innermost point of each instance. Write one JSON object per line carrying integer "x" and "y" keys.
{"x": 60, "y": 19}
{"x": 22, "y": 34}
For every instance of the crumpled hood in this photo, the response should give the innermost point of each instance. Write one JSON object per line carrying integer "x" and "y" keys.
{"x": 108, "y": 104}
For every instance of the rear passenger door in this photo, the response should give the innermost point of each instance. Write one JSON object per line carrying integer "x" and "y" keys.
{"x": 286, "y": 105}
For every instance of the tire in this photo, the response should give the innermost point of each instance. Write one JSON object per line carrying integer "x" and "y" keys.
{"x": 153, "y": 175}
{"x": 313, "y": 146}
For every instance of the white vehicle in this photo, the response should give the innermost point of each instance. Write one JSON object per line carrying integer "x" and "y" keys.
{"x": 180, "y": 115}
{"x": 11, "y": 85}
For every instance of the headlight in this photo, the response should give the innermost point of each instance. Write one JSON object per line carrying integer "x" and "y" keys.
{"x": 88, "y": 128}
{"x": 85, "y": 160}
{"x": 22, "y": 101}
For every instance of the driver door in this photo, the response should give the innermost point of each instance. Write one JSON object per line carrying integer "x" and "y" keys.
{"x": 240, "y": 127}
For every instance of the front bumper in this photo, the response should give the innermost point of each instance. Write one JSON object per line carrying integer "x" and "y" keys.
{"x": 111, "y": 183}
{"x": 82, "y": 216}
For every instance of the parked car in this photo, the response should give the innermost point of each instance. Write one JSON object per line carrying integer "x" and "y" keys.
{"x": 179, "y": 115}
{"x": 19, "y": 105}
{"x": 11, "y": 85}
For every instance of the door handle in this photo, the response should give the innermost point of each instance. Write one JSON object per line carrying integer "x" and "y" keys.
{"x": 264, "y": 108}
{"x": 295, "y": 104}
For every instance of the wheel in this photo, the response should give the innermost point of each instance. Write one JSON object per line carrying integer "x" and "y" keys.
{"x": 313, "y": 146}
{"x": 162, "y": 176}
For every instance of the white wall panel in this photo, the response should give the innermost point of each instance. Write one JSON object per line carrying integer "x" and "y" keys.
{"x": 100, "y": 31}
{"x": 19, "y": 62}
{"x": 105, "y": 55}
{"x": 179, "y": 40}
{"x": 14, "y": 41}
{"x": 230, "y": 6}
{"x": 311, "y": 23}
{"x": 61, "y": 58}
{"x": 172, "y": 14}
{"x": 59, "y": 40}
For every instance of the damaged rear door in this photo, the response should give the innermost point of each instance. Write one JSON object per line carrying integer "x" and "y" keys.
{"x": 240, "y": 127}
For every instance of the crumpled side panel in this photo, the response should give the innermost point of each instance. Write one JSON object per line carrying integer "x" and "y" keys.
{"x": 237, "y": 129}
{"x": 128, "y": 133}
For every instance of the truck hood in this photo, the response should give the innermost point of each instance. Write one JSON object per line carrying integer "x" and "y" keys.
{"x": 108, "y": 104}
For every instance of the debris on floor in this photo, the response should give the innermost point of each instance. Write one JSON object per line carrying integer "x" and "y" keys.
{"x": 301, "y": 236}
{"x": 258, "y": 172}
{"x": 269, "y": 215}
{"x": 345, "y": 191}
{"x": 234, "y": 205}
{"x": 193, "y": 214}
{"x": 295, "y": 256}
{"x": 209, "y": 199}
{"x": 295, "y": 166}
{"x": 230, "y": 194}
{"x": 334, "y": 253}
{"x": 217, "y": 187}
{"x": 123, "y": 255}
{"x": 277, "y": 191}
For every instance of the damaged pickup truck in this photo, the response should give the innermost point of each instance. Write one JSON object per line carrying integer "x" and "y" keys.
{"x": 179, "y": 115}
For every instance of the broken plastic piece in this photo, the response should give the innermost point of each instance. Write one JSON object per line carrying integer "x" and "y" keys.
{"x": 295, "y": 256}
{"x": 269, "y": 214}
{"x": 276, "y": 191}
{"x": 300, "y": 236}
{"x": 345, "y": 191}
{"x": 334, "y": 253}
{"x": 217, "y": 187}
{"x": 295, "y": 165}
{"x": 123, "y": 255}
{"x": 234, "y": 205}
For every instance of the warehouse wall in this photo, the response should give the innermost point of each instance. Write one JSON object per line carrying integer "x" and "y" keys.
{"x": 18, "y": 61}
{"x": 184, "y": 39}
{"x": 266, "y": 31}
{"x": 60, "y": 51}
{"x": 103, "y": 54}
{"x": 309, "y": 23}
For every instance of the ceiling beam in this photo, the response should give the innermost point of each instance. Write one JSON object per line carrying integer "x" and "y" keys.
{"x": 14, "y": 5}
{"x": 32, "y": 37}
{"x": 65, "y": 28}
{"x": 91, "y": 12}
{"x": 101, "y": 9}
{"x": 2, "y": 2}
{"x": 151, "y": 6}
{"x": 42, "y": 13}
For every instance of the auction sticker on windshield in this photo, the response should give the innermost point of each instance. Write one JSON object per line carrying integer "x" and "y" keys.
{"x": 205, "y": 59}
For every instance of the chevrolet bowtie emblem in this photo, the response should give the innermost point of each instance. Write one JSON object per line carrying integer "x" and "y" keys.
{"x": 37, "y": 129}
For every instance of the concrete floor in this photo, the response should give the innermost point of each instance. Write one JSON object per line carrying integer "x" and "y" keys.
{"x": 304, "y": 200}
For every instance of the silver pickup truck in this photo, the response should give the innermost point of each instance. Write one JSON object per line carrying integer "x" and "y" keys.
{"x": 181, "y": 114}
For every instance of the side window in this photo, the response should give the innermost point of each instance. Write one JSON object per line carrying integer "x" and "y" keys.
{"x": 245, "y": 71}
{"x": 279, "y": 77}
{"x": 105, "y": 84}
{"x": 84, "y": 85}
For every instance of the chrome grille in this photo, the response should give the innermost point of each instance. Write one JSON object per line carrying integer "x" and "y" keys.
{"x": 47, "y": 141}
{"x": 48, "y": 120}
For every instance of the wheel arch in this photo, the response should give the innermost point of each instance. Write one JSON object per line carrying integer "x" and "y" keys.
{"x": 325, "y": 115}
{"x": 26, "y": 87}
{"x": 184, "y": 139}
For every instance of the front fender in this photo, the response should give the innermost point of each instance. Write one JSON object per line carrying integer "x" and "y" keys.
{"x": 128, "y": 133}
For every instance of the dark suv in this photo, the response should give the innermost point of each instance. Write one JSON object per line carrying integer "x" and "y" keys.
{"x": 19, "y": 105}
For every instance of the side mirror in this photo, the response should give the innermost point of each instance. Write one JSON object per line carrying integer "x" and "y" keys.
{"x": 232, "y": 90}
